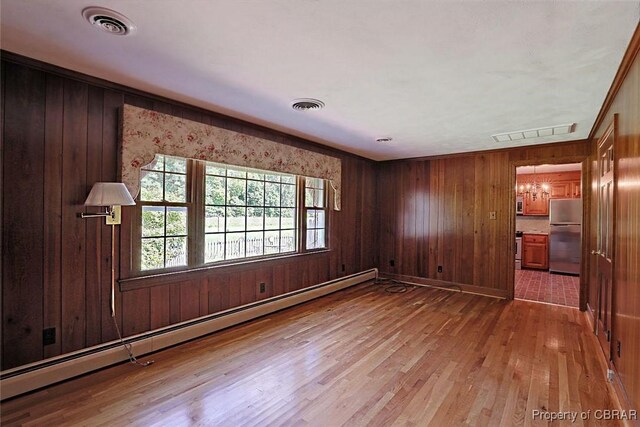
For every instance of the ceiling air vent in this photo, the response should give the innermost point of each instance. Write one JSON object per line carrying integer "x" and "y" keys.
{"x": 306, "y": 104}
{"x": 384, "y": 139}
{"x": 109, "y": 21}
{"x": 534, "y": 133}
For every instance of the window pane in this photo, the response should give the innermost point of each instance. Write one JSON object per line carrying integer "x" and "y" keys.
{"x": 175, "y": 164}
{"x": 254, "y": 175}
{"x": 314, "y": 183}
{"x": 215, "y": 190}
{"x": 272, "y": 178}
{"x": 311, "y": 218}
{"x": 288, "y": 195}
{"x": 236, "y": 192}
{"x": 152, "y": 254}
{"x": 255, "y": 218}
{"x": 152, "y": 221}
{"x": 213, "y": 247}
{"x": 255, "y": 193}
{"x": 156, "y": 164}
{"x": 151, "y": 186}
{"x": 272, "y": 218}
{"x": 289, "y": 179}
{"x": 271, "y": 242}
{"x": 214, "y": 193}
{"x": 318, "y": 198}
{"x": 235, "y": 245}
{"x": 271, "y": 194}
{"x": 308, "y": 197}
{"x": 254, "y": 243}
{"x": 288, "y": 219}
{"x": 320, "y": 243}
{"x": 175, "y": 188}
{"x": 320, "y": 219}
{"x": 236, "y": 219}
{"x": 176, "y": 251}
{"x": 287, "y": 241}
{"x": 214, "y": 219}
{"x": 236, "y": 173}
{"x": 215, "y": 170}
{"x": 176, "y": 221}
{"x": 311, "y": 239}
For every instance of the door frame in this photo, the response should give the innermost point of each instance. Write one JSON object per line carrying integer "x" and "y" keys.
{"x": 585, "y": 184}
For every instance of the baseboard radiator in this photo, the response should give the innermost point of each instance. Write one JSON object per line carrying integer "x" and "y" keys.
{"x": 14, "y": 382}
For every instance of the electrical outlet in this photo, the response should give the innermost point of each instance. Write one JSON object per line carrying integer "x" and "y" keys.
{"x": 343, "y": 268}
{"x": 263, "y": 287}
{"x": 392, "y": 263}
{"x": 48, "y": 336}
{"x": 439, "y": 269}
{"x": 492, "y": 215}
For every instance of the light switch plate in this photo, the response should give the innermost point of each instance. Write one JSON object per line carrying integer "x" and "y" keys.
{"x": 492, "y": 215}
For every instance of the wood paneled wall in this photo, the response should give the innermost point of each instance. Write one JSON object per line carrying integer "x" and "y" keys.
{"x": 624, "y": 101}
{"x": 435, "y": 212}
{"x": 59, "y": 136}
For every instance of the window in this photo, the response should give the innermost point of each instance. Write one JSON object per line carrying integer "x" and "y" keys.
{"x": 314, "y": 203}
{"x": 193, "y": 213}
{"x": 248, "y": 213}
{"x": 164, "y": 213}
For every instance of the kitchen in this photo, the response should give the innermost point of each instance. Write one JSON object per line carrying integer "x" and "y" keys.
{"x": 548, "y": 233}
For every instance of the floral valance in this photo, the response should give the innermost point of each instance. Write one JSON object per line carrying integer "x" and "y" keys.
{"x": 146, "y": 133}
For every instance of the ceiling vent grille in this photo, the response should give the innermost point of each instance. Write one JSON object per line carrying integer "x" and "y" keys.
{"x": 534, "y": 133}
{"x": 109, "y": 21}
{"x": 384, "y": 139}
{"x": 306, "y": 104}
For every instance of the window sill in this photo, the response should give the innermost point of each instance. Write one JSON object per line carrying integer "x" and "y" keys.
{"x": 164, "y": 278}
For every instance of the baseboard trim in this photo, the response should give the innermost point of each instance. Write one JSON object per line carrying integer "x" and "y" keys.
{"x": 23, "y": 379}
{"x": 449, "y": 286}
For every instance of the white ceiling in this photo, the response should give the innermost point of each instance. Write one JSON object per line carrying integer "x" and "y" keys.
{"x": 438, "y": 77}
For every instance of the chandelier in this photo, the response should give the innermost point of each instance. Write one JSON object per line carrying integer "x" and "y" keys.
{"x": 534, "y": 189}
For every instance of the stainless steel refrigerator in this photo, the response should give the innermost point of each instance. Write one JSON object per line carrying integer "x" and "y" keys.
{"x": 565, "y": 218}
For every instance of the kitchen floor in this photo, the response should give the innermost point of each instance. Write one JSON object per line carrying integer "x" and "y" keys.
{"x": 543, "y": 286}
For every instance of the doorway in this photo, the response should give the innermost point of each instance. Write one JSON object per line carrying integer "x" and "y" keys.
{"x": 548, "y": 226}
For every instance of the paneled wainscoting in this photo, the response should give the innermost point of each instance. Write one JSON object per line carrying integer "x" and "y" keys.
{"x": 360, "y": 356}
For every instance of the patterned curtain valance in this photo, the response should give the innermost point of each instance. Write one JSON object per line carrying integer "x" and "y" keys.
{"x": 146, "y": 133}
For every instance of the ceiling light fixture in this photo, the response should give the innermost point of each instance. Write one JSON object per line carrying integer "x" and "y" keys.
{"x": 534, "y": 133}
{"x": 306, "y": 104}
{"x": 533, "y": 188}
{"x": 109, "y": 21}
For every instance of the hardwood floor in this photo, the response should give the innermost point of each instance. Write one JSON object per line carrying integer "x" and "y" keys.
{"x": 361, "y": 356}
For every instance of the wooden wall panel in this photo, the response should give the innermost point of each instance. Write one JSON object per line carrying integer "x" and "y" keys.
{"x": 60, "y": 135}
{"x": 435, "y": 212}
{"x": 626, "y": 299}
{"x": 23, "y": 215}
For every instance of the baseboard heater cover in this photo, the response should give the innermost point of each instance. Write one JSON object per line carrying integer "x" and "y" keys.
{"x": 23, "y": 379}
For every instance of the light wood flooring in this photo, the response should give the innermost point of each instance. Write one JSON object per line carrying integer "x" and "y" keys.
{"x": 357, "y": 357}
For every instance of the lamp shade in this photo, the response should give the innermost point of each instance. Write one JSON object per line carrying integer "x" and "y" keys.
{"x": 109, "y": 194}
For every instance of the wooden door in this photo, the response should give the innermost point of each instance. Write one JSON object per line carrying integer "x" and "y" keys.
{"x": 604, "y": 253}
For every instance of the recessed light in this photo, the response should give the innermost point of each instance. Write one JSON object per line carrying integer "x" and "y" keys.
{"x": 384, "y": 139}
{"x": 306, "y": 104}
{"x": 109, "y": 21}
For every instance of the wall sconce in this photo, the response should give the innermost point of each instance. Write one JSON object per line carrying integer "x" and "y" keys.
{"x": 111, "y": 196}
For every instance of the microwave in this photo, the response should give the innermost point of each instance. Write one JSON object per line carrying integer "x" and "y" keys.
{"x": 519, "y": 205}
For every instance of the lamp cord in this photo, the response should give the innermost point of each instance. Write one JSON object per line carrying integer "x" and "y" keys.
{"x": 126, "y": 346}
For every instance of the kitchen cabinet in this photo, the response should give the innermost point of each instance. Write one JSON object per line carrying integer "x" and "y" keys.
{"x": 535, "y": 251}
{"x": 539, "y": 206}
{"x": 565, "y": 190}
{"x": 576, "y": 189}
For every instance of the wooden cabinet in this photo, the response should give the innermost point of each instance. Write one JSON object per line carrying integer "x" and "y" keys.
{"x": 539, "y": 206}
{"x": 565, "y": 190}
{"x": 535, "y": 251}
{"x": 576, "y": 189}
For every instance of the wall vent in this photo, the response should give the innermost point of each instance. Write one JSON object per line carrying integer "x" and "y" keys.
{"x": 534, "y": 133}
